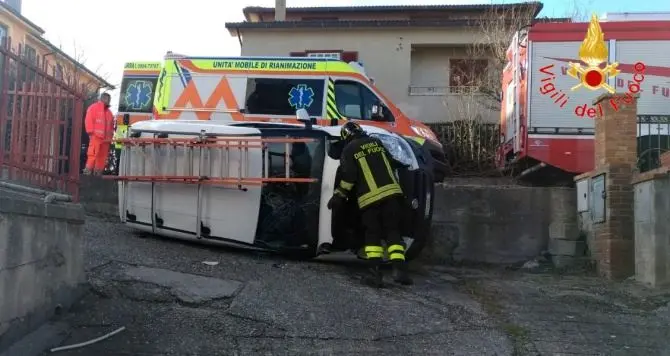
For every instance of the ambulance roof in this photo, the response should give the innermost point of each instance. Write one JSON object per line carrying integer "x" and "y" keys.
{"x": 253, "y": 58}
{"x": 194, "y": 127}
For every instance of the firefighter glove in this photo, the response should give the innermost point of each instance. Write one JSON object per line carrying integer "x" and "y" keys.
{"x": 335, "y": 201}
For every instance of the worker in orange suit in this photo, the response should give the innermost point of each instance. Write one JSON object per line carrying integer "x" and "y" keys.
{"x": 99, "y": 125}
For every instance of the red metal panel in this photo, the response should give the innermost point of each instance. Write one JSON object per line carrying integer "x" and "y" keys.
{"x": 40, "y": 124}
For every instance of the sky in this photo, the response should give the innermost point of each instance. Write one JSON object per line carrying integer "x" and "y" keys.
{"x": 106, "y": 34}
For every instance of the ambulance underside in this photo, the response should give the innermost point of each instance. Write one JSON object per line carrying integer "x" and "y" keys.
{"x": 559, "y": 129}
{"x": 252, "y": 185}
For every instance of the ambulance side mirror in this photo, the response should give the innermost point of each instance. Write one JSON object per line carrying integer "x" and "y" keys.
{"x": 379, "y": 112}
{"x": 126, "y": 119}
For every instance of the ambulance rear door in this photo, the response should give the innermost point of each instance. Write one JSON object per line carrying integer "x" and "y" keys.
{"x": 138, "y": 89}
{"x": 197, "y": 88}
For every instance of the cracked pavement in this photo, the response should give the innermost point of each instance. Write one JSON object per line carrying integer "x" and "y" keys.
{"x": 252, "y": 303}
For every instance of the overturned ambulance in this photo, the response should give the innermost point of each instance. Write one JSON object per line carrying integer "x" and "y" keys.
{"x": 220, "y": 174}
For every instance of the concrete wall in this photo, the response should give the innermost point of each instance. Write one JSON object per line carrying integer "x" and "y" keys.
{"x": 652, "y": 231}
{"x": 41, "y": 262}
{"x": 474, "y": 220}
{"x": 496, "y": 223}
{"x": 99, "y": 196}
{"x": 387, "y": 55}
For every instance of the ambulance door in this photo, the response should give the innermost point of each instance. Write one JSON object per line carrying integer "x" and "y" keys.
{"x": 356, "y": 101}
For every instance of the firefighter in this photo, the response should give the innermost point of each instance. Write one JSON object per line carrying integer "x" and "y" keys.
{"x": 366, "y": 169}
{"x": 99, "y": 125}
{"x": 119, "y": 133}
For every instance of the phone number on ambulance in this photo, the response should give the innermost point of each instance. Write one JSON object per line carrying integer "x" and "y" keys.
{"x": 264, "y": 65}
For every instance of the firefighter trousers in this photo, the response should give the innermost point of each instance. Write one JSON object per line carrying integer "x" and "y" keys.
{"x": 97, "y": 154}
{"x": 382, "y": 222}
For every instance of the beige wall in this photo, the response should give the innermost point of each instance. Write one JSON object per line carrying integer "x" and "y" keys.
{"x": 387, "y": 56}
{"x": 20, "y": 33}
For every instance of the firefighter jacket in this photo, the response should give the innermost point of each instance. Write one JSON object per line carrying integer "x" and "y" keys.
{"x": 120, "y": 133}
{"x": 366, "y": 167}
{"x": 99, "y": 121}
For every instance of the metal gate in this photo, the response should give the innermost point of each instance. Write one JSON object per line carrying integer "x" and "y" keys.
{"x": 40, "y": 123}
{"x": 653, "y": 139}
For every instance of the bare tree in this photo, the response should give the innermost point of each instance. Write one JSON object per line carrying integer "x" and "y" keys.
{"x": 496, "y": 30}
{"x": 73, "y": 72}
{"x": 472, "y": 139}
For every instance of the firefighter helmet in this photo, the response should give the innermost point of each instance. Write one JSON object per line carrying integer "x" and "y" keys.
{"x": 350, "y": 129}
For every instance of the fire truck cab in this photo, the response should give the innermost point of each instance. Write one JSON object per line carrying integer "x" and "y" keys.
{"x": 547, "y": 116}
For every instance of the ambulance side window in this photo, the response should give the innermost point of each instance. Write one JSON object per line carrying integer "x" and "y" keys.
{"x": 272, "y": 96}
{"x": 354, "y": 100}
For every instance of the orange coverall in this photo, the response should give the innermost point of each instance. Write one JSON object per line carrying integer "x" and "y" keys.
{"x": 99, "y": 125}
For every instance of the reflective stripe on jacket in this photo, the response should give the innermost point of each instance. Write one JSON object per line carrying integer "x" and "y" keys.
{"x": 99, "y": 121}
{"x": 366, "y": 167}
{"x": 120, "y": 132}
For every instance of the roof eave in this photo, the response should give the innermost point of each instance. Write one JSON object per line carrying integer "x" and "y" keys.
{"x": 233, "y": 27}
{"x": 390, "y": 8}
{"x": 21, "y": 18}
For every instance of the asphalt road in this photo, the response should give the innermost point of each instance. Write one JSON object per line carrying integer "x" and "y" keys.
{"x": 250, "y": 303}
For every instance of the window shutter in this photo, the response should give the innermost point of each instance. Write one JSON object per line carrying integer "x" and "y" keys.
{"x": 349, "y": 57}
{"x": 298, "y": 54}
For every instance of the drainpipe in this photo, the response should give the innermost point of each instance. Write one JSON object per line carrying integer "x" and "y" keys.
{"x": 280, "y": 10}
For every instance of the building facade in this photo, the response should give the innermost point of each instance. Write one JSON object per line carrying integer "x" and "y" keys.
{"x": 26, "y": 39}
{"x": 417, "y": 55}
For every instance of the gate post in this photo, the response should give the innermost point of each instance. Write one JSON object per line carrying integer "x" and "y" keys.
{"x": 616, "y": 159}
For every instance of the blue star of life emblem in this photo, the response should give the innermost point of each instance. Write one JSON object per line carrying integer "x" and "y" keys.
{"x": 301, "y": 96}
{"x": 138, "y": 95}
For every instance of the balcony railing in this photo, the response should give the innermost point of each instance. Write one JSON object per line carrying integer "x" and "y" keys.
{"x": 414, "y": 90}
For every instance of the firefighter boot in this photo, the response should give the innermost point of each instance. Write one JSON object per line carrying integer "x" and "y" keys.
{"x": 401, "y": 274}
{"x": 375, "y": 278}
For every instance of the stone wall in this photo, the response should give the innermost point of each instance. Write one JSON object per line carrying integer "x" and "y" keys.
{"x": 41, "y": 261}
{"x": 488, "y": 220}
{"x": 493, "y": 223}
{"x": 652, "y": 230}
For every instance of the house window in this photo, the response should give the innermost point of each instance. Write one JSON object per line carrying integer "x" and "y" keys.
{"x": 355, "y": 100}
{"x": 466, "y": 74}
{"x": 3, "y": 32}
{"x": 270, "y": 96}
{"x": 58, "y": 71}
{"x": 30, "y": 54}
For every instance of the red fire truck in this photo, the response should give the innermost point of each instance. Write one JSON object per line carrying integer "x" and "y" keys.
{"x": 545, "y": 124}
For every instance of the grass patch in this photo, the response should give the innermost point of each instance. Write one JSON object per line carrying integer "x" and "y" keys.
{"x": 490, "y": 302}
